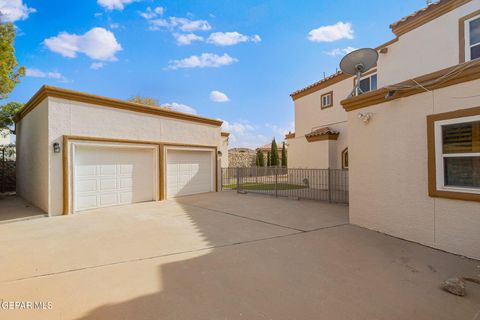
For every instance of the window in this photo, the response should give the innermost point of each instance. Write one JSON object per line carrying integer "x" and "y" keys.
{"x": 326, "y": 100}
{"x": 472, "y": 38}
{"x": 345, "y": 158}
{"x": 368, "y": 84}
{"x": 454, "y": 155}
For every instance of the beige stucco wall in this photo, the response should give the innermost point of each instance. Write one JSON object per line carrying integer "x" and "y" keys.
{"x": 32, "y": 157}
{"x": 319, "y": 154}
{"x": 40, "y": 169}
{"x": 388, "y": 173}
{"x": 223, "y": 147}
{"x": 309, "y": 116}
{"x": 431, "y": 47}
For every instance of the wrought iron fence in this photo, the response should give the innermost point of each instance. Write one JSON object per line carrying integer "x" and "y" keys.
{"x": 7, "y": 169}
{"x": 316, "y": 184}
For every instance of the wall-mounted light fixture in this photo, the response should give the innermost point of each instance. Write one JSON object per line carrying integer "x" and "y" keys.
{"x": 219, "y": 153}
{"x": 56, "y": 147}
{"x": 365, "y": 117}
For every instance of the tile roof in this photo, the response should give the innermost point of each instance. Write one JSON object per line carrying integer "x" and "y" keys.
{"x": 424, "y": 15}
{"x": 321, "y": 132}
{"x": 318, "y": 83}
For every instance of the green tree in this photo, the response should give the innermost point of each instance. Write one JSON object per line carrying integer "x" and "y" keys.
{"x": 7, "y": 115}
{"x": 284, "y": 155}
{"x": 260, "y": 159}
{"x": 149, "y": 101}
{"x": 10, "y": 72}
{"x": 269, "y": 159}
{"x": 274, "y": 161}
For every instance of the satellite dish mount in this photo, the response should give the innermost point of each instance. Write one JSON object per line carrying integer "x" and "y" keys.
{"x": 357, "y": 63}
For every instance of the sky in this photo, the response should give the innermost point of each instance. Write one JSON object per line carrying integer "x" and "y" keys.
{"x": 234, "y": 60}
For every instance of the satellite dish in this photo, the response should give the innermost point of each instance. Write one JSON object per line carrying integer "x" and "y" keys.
{"x": 358, "y": 62}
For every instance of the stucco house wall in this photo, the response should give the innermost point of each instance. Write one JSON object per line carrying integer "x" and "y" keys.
{"x": 310, "y": 116}
{"x": 32, "y": 157}
{"x": 389, "y": 177}
{"x": 431, "y": 47}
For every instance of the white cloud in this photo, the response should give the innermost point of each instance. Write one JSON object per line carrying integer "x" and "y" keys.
{"x": 231, "y": 38}
{"x": 340, "y": 51}
{"x": 115, "y": 25}
{"x": 37, "y": 73}
{"x": 152, "y": 13}
{"x": 205, "y": 60}
{"x": 179, "y": 107}
{"x": 98, "y": 44}
{"x": 115, "y": 4}
{"x": 97, "y": 65}
{"x": 243, "y": 134}
{"x": 218, "y": 96}
{"x": 186, "y": 39}
{"x": 14, "y": 10}
{"x": 183, "y": 24}
{"x": 338, "y": 31}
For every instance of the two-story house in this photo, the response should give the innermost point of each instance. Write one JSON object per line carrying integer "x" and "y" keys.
{"x": 414, "y": 166}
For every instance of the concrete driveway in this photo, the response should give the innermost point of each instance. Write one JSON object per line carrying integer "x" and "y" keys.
{"x": 224, "y": 256}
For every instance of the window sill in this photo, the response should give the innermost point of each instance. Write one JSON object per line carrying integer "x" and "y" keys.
{"x": 455, "y": 195}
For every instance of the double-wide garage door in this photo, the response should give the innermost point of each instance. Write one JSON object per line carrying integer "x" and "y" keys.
{"x": 107, "y": 176}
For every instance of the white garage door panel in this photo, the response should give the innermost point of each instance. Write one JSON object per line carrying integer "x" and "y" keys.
{"x": 108, "y": 176}
{"x": 188, "y": 172}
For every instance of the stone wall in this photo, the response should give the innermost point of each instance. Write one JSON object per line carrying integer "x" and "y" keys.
{"x": 238, "y": 159}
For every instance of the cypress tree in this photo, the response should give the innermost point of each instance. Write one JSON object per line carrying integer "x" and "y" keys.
{"x": 260, "y": 160}
{"x": 269, "y": 159}
{"x": 284, "y": 155}
{"x": 274, "y": 154}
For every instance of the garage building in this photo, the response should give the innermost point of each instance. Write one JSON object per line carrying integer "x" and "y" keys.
{"x": 77, "y": 151}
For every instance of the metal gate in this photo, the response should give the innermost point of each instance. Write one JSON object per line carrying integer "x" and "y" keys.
{"x": 315, "y": 184}
{"x": 7, "y": 169}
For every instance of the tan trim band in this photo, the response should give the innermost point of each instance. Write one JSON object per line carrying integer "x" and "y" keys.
{"x": 225, "y": 134}
{"x": 471, "y": 72}
{"x": 161, "y": 145}
{"x": 330, "y": 136}
{"x": 432, "y": 166}
{"x": 425, "y": 15}
{"x": 48, "y": 91}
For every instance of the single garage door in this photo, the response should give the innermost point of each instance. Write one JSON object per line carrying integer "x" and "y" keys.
{"x": 108, "y": 176}
{"x": 189, "y": 172}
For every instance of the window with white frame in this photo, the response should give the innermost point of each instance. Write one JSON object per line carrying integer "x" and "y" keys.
{"x": 472, "y": 38}
{"x": 326, "y": 100}
{"x": 368, "y": 83}
{"x": 457, "y": 154}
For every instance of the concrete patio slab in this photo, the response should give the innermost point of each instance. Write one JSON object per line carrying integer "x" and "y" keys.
{"x": 212, "y": 265}
{"x": 15, "y": 208}
{"x": 112, "y": 235}
{"x": 302, "y": 215}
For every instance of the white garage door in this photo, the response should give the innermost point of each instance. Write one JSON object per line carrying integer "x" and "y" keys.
{"x": 189, "y": 172}
{"x": 108, "y": 176}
